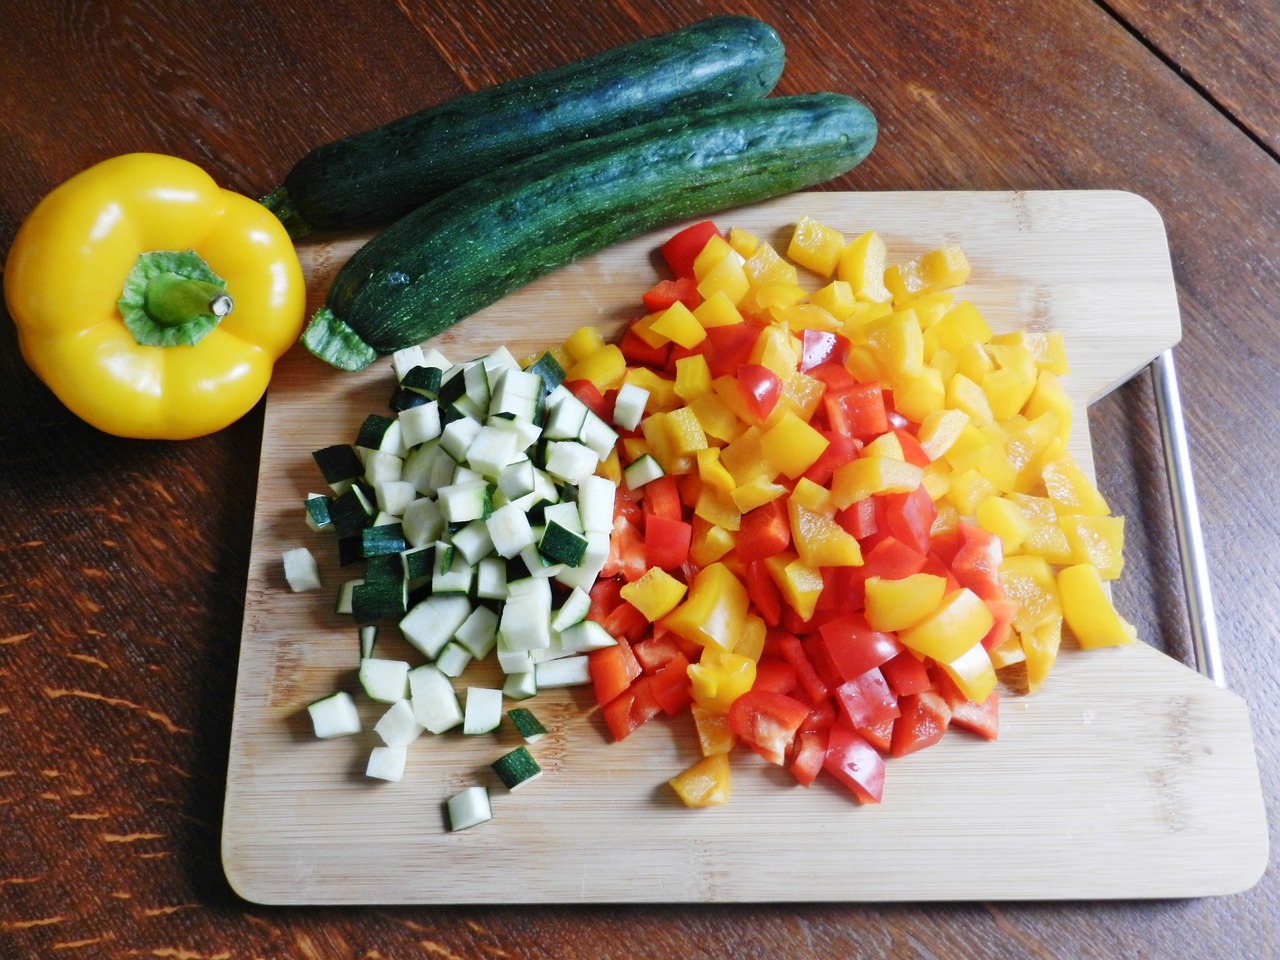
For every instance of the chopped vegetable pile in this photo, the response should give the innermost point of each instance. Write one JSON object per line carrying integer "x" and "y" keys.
{"x": 821, "y": 520}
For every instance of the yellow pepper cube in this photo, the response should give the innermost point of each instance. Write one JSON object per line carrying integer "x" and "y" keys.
{"x": 754, "y": 634}
{"x": 662, "y": 392}
{"x": 655, "y": 594}
{"x": 717, "y": 310}
{"x": 974, "y": 362}
{"x": 1027, "y": 443}
{"x": 707, "y": 783}
{"x": 1070, "y": 490}
{"x": 693, "y": 377}
{"x": 819, "y": 540}
{"x": 658, "y": 437}
{"x": 938, "y": 269}
{"x": 719, "y": 678}
{"x": 920, "y": 396}
{"x": 1008, "y": 652}
{"x": 1013, "y": 356}
{"x": 611, "y": 467}
{"x": 715, "y": 737}
{"x": 870, "y": 475}
{"x": 1029, "y": 582}
{"x": 583, "y": 342}
{"x": 973, "y": 673}
{"x": 951, "y": 628}
{"x": 792, "y": 445}
{"x": 776, "y": 349}
{"x": 801, "y": 394}
{"x": 744, "y": 458}
{"x": 1049, "y": 397}
{"x": 1046, "y": 538}
{"x": 836, "y": 298}
{"x": 1006, "y": 520}
{"x": 800, "y": 584}
{"x": 862, "y": 264}
{"x": 717, "y": 507}
{"x": 718, "y": 421}
{"x": 756, "y": 493}
{"x": 678, "y": 324}
{"x": 805, "y": 316}
{"x": 773, "y": 296}
{"x": 969, "y": 488}
{"x": 862, "y": 363}
{"x": 937, "y": 480}
{"x": 960, "y": 325}
{"x": 893, "y": 605}
{"x": 716, "y": 249}
{"x": 742, "y": 241}
{"x": 932, "y": 307}
{"x": 710, "y": 542}
{"x": 886, "y": 445}
{"x": 712, "y": 472}
{"x": 605, "y": 367}
{"x": 765, "y": 266}
{"x": 727, "y": 277}
{"x": 899, "y": 344}
{"x": 643, "y": 328}
{"x": 1045, "y": 346}
{"x": 815, "y": 246}
{"x": 1007, "y": 390}
{"x": 813, "y": 496}
{"x": 939, "y": 430}
{"x": 944, "y": 361}
{"x": 684, "y": 432}
{"x": 1088, "y": 609}
{"x": 964, "y": 394}
{"x": 1040, "y": 650}
{"x": 1097, "y": 541}
{"x": 713, "y": 611}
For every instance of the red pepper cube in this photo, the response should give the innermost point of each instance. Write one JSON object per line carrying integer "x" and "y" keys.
{"x": 855, "y": 763}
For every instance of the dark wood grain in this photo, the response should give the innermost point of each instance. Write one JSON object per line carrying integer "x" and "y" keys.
{"x": 122, "y": 564}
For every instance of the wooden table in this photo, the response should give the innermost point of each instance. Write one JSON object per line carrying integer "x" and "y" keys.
{"x": 123, "y": 564}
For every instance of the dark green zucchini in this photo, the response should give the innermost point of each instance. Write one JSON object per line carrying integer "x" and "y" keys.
{"x": 477, "y": 243}
{"x": 373, "y": 178}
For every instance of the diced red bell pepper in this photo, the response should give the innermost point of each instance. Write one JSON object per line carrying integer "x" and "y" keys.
{"x": 906, "y": 674}
{"x": 612, "y": 670}
{"x": 630, "y": 709}
{"x": 821, "y": 716}
{"x": 774, "y": 673}
{"x": 666, "y": 542}
{"x": 626, "y": 552}
{"x": 912, "y": 452}
{"x": 834, "y": 376}
{"x": 923, "y": 722}
{"x": 880, "y": 735}
{"x": 908, "y": 516}
{"x": 667, "y": 293}
{"x": 759, "y": 389}
{"x": 764, "y": 592}
{"x": 639, "y": 352}
{"x": 856, "y": 410}
{"x": 764, "y": 531}
{"x": 852, "y": 647}
{"x": 661, "y": 498}
{"x": 684, "y": 246}
{"x": 606, "y": 593}
{"x": 855, "y": 763}
{"x": 976, "y": 564}
{"x": 626, "y": 622}
{"x": 808, "y": 753}
{"x": 657, "y": 651}
{"x": 866, "y": 700}
{"x": 982, "y": 719}
{"x": 840, "y": 449}
{"x": 822, "y": 346}
{"x": 807, "y": 677}
{"x": 859, "y": 518}
{"x": 728, "y": 347}
{"x": 1002, "y": 610}
{"x": 767, "y": 722}
{"x": 590, "y": 394}
{"x": 671, "y": 687}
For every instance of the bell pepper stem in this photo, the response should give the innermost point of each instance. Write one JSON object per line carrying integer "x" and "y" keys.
{"x": 173, "y": 300}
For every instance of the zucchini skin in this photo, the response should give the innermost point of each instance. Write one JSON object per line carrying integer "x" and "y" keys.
{"x": 474, "y": 245}
{"x": 373, "y": 178}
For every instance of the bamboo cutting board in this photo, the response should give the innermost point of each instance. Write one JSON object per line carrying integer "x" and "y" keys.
{"x": 1127, "y": 775}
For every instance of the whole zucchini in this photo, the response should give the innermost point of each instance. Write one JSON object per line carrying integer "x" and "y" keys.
{"x": 477, "y": 243}
{"x": 372, "y": 178}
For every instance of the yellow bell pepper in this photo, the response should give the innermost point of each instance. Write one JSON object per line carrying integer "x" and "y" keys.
{"x": 718, "y": 679}
{"x": 898, "y": 604}
{"x": 956, "y": 624}
{"x": 655, "y": 594}
{"x": 1089, "y": 611}
{"x": 121, "y": 283}
{"x": 815, "y": 246}
{"x": 713, "y": 611}
{"x": 705, "y": 784}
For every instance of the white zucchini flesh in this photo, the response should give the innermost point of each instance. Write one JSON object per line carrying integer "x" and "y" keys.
{"x": 435, "y": 703}
{"x": 386, "y": 763}
{"x": 398, "y": 727}
{"x": 301, "y": 571}
{"x": 469, "y": 808}
{"x": 483, "y": 711}
{"x": 433, "y": 622}
{"x": 385, "y": 681}
{"x": 335, "y": 716}
{"x": 629, "y": 406}
{"x": 563, "y": 672}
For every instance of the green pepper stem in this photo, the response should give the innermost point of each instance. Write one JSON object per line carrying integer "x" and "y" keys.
{"x": 172, "y": 300}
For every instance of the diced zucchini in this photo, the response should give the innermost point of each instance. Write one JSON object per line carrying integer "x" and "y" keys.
{"x": 425, "y": 379}
{"x": 525, "y": 623}
{"x": 432, "y": 623}
{"x": 575, "y": 608}
{"x": 596, "y": 497}
{"x": 517, "y": 479}
{"x": 405, "y": 359}
{"x": 339, "y": 465}
{"x": 422, "y": 522}
{"x": 382, "y": 540}
{"x": 386, "y": 681}
{"x": 380, "y": 466}
{"x": 526, "y": 724}
{"x": 394, "y": 496}
{"x": 491, "y": 579}
{"x": 469, "y": 808}
{"x": 509, "y": 530}
{"x": 451, "y": 573}
{"x": 570, "y": 460}
{"x": 342, "y": 604}
{"x": 629, "y": 406}
{"x": 301, "y": 570}
{"x": 398, "y": 727}
{"x": 466, "y": 501}
{"x": 516, "y": 768}
{"x": 453, "y": 660}
{"x": 379, "y": 432}
{"x": 562, "y": 546}
{"x": 585, "y": 636}
{"x": 420, "y": 423}
{"x": 334, "y": 716}
{"x": 435, "y": 704}
{"x": 548, "y": 369}
{"x": 493, "y": 449}
{"x": 641, "y": 470}
{"x": 368, "y": 640}
{"x": 565, "y": 416}
{"x": 520, "y": 685}
{"x": 483, "y": 711}
{"x": 597, "y": 436}
{"x": 419, "y": 565}
{"x": 386, "y": 763}
{"x": 479, "y": 632}
{"x": 374, "y": 600}
{"x": 562, "y": 672}
{"x": 351, "y": 511}
{"x": 317, "y": 512}
{"x": 473, "y": 541}
{"x": 456, "y": 438}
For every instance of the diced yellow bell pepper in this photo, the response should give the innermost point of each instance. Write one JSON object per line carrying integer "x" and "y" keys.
{"x": 583, "y": 342}
{"x": 944, "y": 361}
{"x": 1045, "y": 538}
{"x": 662, "y": 392}
{"x": 752, "y": 640}
{"x": 862, "y": 363}
{"x": 1088, "y": 609}
{"x": 937, "y": 481}
{"x": 712, "y": 471}
{"x": 727, "y": 277}
{"x": 756, "y": 493}
{"x": 836, "y": 298}
{"x": 885, "y": 445}
{"x": 819, "y": 540}
{"x": 1029, "y": 582}
{"x": 801, "y": 394}
{"x": 1007, "y": 391}
{"x": 705, "y": 784}
{"x": 773, "y": 296}
{"x": 805, "y": 316}
{"x": 939, "y": 430}
{"x": 917, "y": 397}
{"x": 710, "y": 542}
{"x": 742, "y": 241}
{"x": 1006, "y": 520}
{"x": 1098, "y": 541}
{"x": 716, "y": 249}
{"x": 862, "y": 265}
{"x": 1014, "y": 356}
{"x": 931, "y": 307}
{"x": 813, "y": 496}
{"x": 1049, "y": 397}
{"x": 893, "y": 605}
{"x": 718, "y": 421}
{"x": 969, "y": 488}
{"x": 960, "y": 325}
{"x": 938, "y": 269}
{"x": 1007, "y": 652}
{"x": 973, "y": 673}
{"x": 1040, "y": 650}
{"x": 964, "y": 394}
{"x": 713, "y": 611}
{"x": 954, "y": 625}
{"x": 611, "y": 467}
{"x": 792, "y": 445}
{"x": 717, "y": 506}
{"x": 865, "y": 476}
{"x": 1070, "y": 490}
{"x": 744, "y": 458}
{"x": 799, "y": 583}
{"x": 1027, "y": 443}
{"x": 658, "y": 436}
{"x": 693, "y": 377}
{"x": 974, "y": 362}
{"x": 642, "y": 328}
{"x": 765, "y": 266}
{"x": 717, "y": 310}
{"x": 815, "y": 246}
{"x": 685, "y": 432}
{"x": 655, "y": 594}
{"x": 604, "y": 367}
{"x": 715, "y": 737}
{"x": 899, "y": 344}
{"x": 775, "y": 348}
{"x": 1046, "y": 348}
{"x": 720, "y": 678}
{"x": 678, "y": 324}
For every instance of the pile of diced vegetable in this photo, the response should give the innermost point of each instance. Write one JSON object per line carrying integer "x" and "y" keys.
{"x": 812, "y": 499}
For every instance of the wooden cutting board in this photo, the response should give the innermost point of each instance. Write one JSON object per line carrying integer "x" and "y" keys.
{"x": 1127, "y": 775}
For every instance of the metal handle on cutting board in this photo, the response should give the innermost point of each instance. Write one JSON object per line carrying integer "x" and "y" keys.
{"x": 1186, "y": 516}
